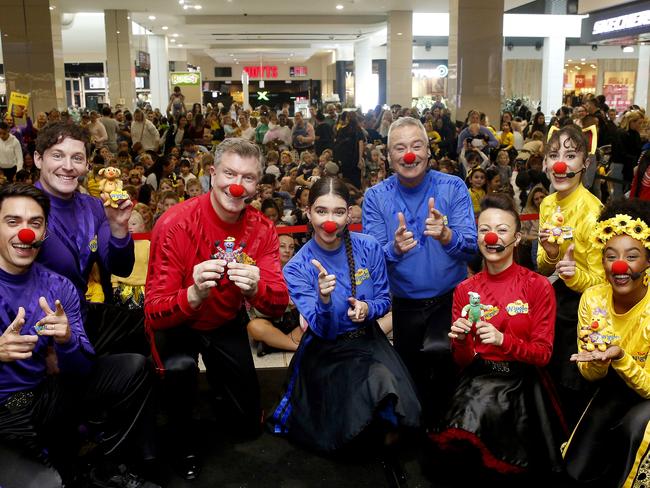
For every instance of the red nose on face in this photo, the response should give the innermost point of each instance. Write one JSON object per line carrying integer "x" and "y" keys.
{"x": 330, "y": 227}
{"x": 409, "y": 157}
{"x": 491, "y": 238}
{"x": 560, "y": 167}
{"x": 236, "y": 190}
{"x": 26, "y": 236}
{"x": 619, "y": 267}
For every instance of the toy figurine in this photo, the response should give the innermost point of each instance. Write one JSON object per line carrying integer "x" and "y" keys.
{"x": 111, "y": 187}
{"x": 599, "y": 333}
{"x": 229, "y": 254}
{"x": 474, "y": 310}
{"x": 555, "y": 226}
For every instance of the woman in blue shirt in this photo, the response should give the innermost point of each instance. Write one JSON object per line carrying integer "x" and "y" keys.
{"x": 345, "y": 378}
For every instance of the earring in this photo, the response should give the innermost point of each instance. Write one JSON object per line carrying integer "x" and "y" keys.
{"x": 646, "y": 277}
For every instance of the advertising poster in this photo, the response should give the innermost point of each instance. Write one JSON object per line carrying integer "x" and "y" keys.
{"x": 18, "y": 103}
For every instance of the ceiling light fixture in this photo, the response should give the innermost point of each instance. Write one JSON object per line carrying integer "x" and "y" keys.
{"x": 174, "y": 34}
{"x": 181, "y": 2}
{"x": 628, "y": 49}
{"x": 339, "y": 7}
{"x": 197, "y": 7}
{"x": 164, "y": 27}
{"x": 172, "y": 40}
{"x": 152, "y": 17}
{"x": 185, "y": 7}
{"x": 180, "y": 45}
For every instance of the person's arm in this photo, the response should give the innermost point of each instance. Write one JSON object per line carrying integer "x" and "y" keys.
{"x": 379, "y": 304}
{"x": 153, "y": 132}
{"x": 117, "y": 253}
{"x": 464, "y": 134}
{"x": 635, "y": 375}
{"x": 492, "y": 140}
{"x": 309, "y": 138}
{"x": 272, "y": 296}
{"x": 18, "y": 155}
{"x": 103, "y": 135}
{"x": 589, "y": 267}
{"x": 485, "y": 161}
{"x": 536, "y": 349}
{"x": 545, "y": 264}
{"x": 461, "y": 223}
{"x": 590, "y": 370}
{"x": 462, "y": 349}
{"x": 375, "y": 224}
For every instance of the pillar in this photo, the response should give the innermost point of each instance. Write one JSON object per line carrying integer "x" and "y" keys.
{"x": 552, "y": 74}
{"x": 399, "y": 55}
{"x": 120, "y": 63}
{"x": 381, "y": 74}
{"x": 642, "y": 83}
{"x": 364, "y": 95}
{"x": 159, "y": 72}
{"x": 32, "y": 52}
{"x": 340, "y": 80}
{"x": 475, "y": 57}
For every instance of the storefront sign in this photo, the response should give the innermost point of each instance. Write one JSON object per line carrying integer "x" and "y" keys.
{"x": 629, "y": 20}
{"x": 185, "y": 79}
{"x": 579, "y": 81}
{"x": 263, "y": 96}
{"x": 298, "y": 71}
{"x": 262, "y": 71}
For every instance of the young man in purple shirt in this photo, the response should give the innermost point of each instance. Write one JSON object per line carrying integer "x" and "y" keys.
{"x": 50, "y": 382}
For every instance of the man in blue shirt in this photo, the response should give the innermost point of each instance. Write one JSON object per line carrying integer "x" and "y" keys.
{"x": 425, "y": 223}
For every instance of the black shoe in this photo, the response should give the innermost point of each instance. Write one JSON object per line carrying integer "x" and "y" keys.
{"x": 189, "y": 467}
{"x": 120, "y": 479}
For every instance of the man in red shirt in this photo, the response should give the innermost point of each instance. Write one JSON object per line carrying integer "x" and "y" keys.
{"x": 209, "y": 255}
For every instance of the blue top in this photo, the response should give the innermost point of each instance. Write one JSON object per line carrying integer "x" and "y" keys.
{"x": 24, "y": 290}
{"x": 429, "y": 269}
{"x": 78, "y": 235}
{"x": 327, "y": 321}
{"x": 464, "y": 134}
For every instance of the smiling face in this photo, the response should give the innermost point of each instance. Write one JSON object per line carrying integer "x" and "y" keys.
{"x": 287, "y": 248}
{"x": 631, "y": 251}
{"x": 326, "y": 208}
{"x": 19, "y": 213}
{"x": 477, "y": 180}
{"x": 233, "y": 169}
{"x": 575, "y": 161}
{"x": 504, "y": 225}
{"x": 61, "y": 165}
{"x": 405, "y": 139}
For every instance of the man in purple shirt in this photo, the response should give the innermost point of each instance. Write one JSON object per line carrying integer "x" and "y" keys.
{"x": 50, "y": 381}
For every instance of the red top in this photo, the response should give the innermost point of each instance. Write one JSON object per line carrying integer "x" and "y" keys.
{"x": 523, "y": 309}
{"x": 184, "y": 237}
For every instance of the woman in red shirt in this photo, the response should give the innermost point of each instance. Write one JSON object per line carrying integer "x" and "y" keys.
{"x": 499, "y": 407}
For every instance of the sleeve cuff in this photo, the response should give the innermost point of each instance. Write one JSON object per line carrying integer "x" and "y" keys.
{"x": 69, "y": 346}
{"x": 121, "y": 242}
{"x": 507, "y": 344}
{"x": 453, "y": 242}
{"x": 391, "y": 255}
{"x": 184, "y": 304}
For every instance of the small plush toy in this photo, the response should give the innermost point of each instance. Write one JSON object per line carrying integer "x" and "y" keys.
{"x": 599, "y": 333}
{"x": 231, "y": 254}
{"x": 110, "y": 187}
{"x": 474, "y": 310}
{"x": 555, "y": 226}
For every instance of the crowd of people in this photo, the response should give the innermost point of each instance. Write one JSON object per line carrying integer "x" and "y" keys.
{"x": 494, "y": 300}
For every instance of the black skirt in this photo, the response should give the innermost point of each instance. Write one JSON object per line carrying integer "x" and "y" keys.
{"x": 508, "y": 412}
{"x": 337, "y": 388}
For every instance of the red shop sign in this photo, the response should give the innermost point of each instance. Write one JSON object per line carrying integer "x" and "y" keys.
{"x": 261, "y": 71}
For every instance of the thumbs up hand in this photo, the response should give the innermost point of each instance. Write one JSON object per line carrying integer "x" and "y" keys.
{"x": 358, "y": 310}
{"x": 326, "y": 282}
{"x": 13, "y": 345}
{"x": 404, "y": 240}
{"x": 566, "y": 267}
{"x": 436, "y": 224}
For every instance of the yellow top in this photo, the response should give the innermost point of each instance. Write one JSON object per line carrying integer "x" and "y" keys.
{"x": 631, "y": 333}
{"x": 476, "y": 196}
{"x": 507, "y": 140}
{"x": 434, "y": 137}
{"x": 138, "y": 276}
{"x": 581, "y": 210}
{"x": 94, "y": 292}
{"x": 93, "y": 187}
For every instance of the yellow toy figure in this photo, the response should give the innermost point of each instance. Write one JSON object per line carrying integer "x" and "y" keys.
{"x": 110, "y": 186}
{"x": 555, "y": 226}
{"x": 599, "y": 333}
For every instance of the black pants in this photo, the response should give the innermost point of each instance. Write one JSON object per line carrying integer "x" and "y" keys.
{"x": 9, "y": 173}
{"x": 230, "y": 372}
{"x": 420, "y": 329}
{"x": 43, "y": 438}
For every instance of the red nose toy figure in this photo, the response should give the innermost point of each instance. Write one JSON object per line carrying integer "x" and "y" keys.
{"x": 409, "y": 158}
{"x": 560, "y": 168}
{"x": 619, "y": 267}
{"x": 236, "y": 190}
{"x": 329, "y": 227}
{"x": 26, "y": 236}
{"x": 491, "y": 238}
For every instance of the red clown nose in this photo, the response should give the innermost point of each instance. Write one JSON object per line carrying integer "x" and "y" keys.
{"x": 619, "y": 267}
{"x": 409, "y": 157}
{"x": 560, "y": 167}
{"x": 26, "y": 236}
{"x": 236, "y": 190}
{"x": 491, "y": 238}
{"x": 330, "y": 227}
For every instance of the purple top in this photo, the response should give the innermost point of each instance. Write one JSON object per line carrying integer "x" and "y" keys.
{"x": 24, "y": 291}
{"x": 78, "y": 235}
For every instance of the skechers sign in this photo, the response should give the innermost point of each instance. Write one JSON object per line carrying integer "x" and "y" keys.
{"x": 185, "y": 79}
{"x": 627, "y": 21}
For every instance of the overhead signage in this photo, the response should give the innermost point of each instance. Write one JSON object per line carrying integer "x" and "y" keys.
{"x": 263, "y": 96}
{"x": 296, "y": 71}
{"x": 627, "y": 21}
{"x": 265, "y": 71}
{"x": 185, "y": 79}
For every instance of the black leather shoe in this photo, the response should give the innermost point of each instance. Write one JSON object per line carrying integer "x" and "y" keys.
{"x": 189, "y": 467}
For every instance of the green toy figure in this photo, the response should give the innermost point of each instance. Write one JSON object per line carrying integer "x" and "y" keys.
{"x": 474, "y": 310}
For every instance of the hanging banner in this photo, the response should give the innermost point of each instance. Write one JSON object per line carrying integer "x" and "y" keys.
{"x": 18, "y": 103}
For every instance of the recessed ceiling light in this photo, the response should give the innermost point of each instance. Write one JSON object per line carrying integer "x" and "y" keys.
{"x": 582, "y": 59}
{"x": 399, "y": 33}
{"x": 52, "y": 7}
{"x": 172, "y": 40}
{"x": 570, "y": 60}
{"x": 164, "y": 27}
{"x": 152, "y": 17}
{"x": 185, "y": 7}
{"x": 180, "y": 45}
{"x": 339, "y": 7}
{"x": 628, "y": 49}
{"x": 231, "y": 54}
{"x": 174, "y": 34}
{"x": 117, "y": 32}
{"x": 197, "y": 7}
{"x": 181, "y": 2}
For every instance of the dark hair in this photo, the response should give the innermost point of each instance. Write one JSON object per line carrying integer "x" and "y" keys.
{"x": 55, "y": 132}
{"x": 106, "y": 111}
{"x": 185, "y": 162}
{"x": 468, "y": 179}
{"x": 635, "y": 208}
{"x": 268, "y": 179}
{"x": 4, "y": 126}
{"x": 22, "y": 175}
{"x": 270, "y": 203}
{"x": 501, "y": 201}
{"x": 575, "y": 138}
{"x": 12, "y": 190}
{"x": 327, "y": 185}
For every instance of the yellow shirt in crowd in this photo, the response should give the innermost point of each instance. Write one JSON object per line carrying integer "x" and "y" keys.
{"x": 631, "y": 331}
{"x": 476, "y": 196}
{"x": 580, "y": 210}
{"x": 507, "y": 140}
{"x": 138, "y": 276}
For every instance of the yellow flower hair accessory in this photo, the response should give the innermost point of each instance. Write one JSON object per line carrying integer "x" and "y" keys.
{"x": 618, "y": 225}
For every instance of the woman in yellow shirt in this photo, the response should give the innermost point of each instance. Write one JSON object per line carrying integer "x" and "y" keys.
{"x": 507, "y": 138}
{"x": 566, "y": 221}
{"x": 610, "y": 443}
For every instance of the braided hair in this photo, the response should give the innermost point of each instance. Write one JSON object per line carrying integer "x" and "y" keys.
{"x": 328, "y": 185}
